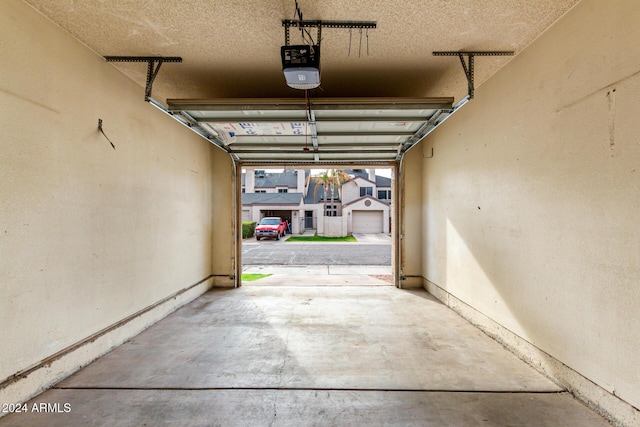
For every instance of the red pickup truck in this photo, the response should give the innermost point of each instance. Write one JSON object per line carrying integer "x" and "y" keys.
{"x": 271, "y": 227}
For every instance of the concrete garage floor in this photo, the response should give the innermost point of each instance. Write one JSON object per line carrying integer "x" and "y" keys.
{"x": 302, "y": 355}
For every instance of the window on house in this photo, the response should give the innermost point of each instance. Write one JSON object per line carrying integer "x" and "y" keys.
{"x": 261, "y": 191}
{"x": 283, "y": 190}
{"x": 244, "y": 190}
{"x": 366, "y": 191}
{"x": 384, "y": 194}
{"x": 330, "y": 210}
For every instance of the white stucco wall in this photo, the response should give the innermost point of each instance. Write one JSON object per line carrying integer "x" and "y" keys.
{"x": 88, "y": 235}
{"x": 250, "y": 180}
{"x": 531, "y": 200}
{"x": 334, "y": 226}
{"x": 351, "y": 189}
{"x": 300, "y": 181}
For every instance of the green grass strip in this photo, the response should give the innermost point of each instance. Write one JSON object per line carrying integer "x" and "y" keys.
{"x": 321, "y": 239}
{"x": 250, "y": 277}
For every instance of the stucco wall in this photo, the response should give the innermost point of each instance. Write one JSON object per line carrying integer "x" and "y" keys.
{"x": 226, "y": 197}
{"x": 334, "y": 226}
{"x": 531, "y": 201}
{"x": 411, "y": 221}
{"x": 88, "y": 234}
{"x": 351, "y": 189}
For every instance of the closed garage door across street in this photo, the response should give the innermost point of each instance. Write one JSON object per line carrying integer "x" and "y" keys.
{"x": 367, "y": 222}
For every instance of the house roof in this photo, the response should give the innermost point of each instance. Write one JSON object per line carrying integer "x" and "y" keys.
{"x": 364, "y": 178}
{"x": 357, "y": 172}
{"x": 271, "y": 198}
{"x": 383, "y": 181}
{"x": 312, "y": 198}
{"x": 373, "y": 199}
{"x": 287, "y": 178}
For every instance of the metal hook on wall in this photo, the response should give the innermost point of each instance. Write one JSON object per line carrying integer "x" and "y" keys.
{"x": 105, "y": 135}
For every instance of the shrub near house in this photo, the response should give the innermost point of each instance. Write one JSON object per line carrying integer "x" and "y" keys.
{"x": 248, "y": 229}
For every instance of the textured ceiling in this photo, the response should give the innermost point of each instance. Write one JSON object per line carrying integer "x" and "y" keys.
{"x": 231, "y": 48}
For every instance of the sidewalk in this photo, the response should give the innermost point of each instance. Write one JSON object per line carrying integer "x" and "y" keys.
{"x": 320, "y": 275}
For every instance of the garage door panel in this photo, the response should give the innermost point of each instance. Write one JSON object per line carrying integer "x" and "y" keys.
{"x": 367, "y": 222}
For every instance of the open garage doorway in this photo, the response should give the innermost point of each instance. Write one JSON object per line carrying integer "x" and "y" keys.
{"x": 310, "y": 132}
{"x": 339, "y": 225}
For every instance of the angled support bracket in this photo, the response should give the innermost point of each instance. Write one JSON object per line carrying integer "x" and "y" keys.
{"x": 319, "y": 24}
{"x": 153, "y": 66}
{"x": 468, "y": 66}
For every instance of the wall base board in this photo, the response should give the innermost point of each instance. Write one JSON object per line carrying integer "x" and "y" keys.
{"x": 32, "y": 381}
{"x": 614, "y": 409}
{"x": 411, "y": 282}
{"x": 222, "y": 281}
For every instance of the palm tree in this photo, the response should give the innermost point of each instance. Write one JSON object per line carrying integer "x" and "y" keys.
{"x": 330, "y": 181}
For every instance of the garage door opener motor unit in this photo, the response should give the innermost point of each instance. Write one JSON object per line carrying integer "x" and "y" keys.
{"x": 301, "y": 66}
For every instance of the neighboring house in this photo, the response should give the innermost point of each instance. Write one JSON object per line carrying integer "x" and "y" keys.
{"x": 363, "y": 205}
{"x": 367, "y": 204}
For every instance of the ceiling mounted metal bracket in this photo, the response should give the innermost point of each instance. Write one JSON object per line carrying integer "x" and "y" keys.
{"x": 319, "y": 24}
{"x": 153, "y": 66}
{"x": 468, "y": 66}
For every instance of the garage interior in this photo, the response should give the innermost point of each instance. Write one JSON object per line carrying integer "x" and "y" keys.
{"x": 518, "y": 197}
